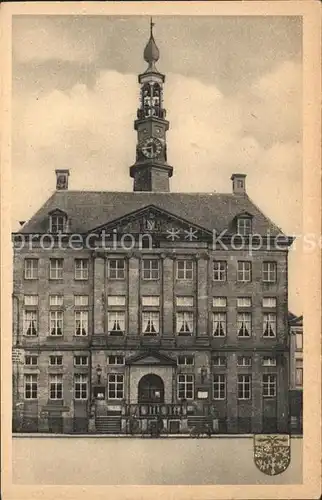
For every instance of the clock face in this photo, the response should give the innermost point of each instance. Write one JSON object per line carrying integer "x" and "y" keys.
{"x": 151, "y": 147}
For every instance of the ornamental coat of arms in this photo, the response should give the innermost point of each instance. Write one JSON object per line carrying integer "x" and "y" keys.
{"x": 272, "y": 453}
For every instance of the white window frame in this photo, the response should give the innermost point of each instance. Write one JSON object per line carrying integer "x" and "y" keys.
{"x": 150, "y": 301}
{"x": 81, "y": 269}
{"x": 184, "y": 318}
{"x": 185, "y": 386}
{"x": 219, "y": 302}
{"x": 219, "y": 321}
{"x": 184, "y": 269}
{"x": 56, "y": 300}
{"x": 244, "y": 302}
{"x": 150, "y": 271}
{"x": 244, "y": 382}
{"x": 269, "y": 382}
{"x": 114, "y": 382}
{"x": 81, "y": 323}
{"x": 53, "y": 358}
{"x": 244, "y": 323}
{"x": 56, "y": 385}
{"x": 268, "y": 361}
{"x": 244, "y": 361}
{"x": 30, "y": 386}
{"x": 184, "y": 301}
{"x": 31, "y": 267}
{"x": 244, "y": 226}
{"x": 117, "y": 272}
{"x": 219, "y": 361}
{"x": 244, "y": 271}
{"x": 299, "y": 373}
{"x": 118, "y": 357}
{"x": 30, "y": 321}
{"x": 299, "y": 345}
{"x": 269, "y": 272}
{"x": 116, "y": 300}
{"x": 185, "y": 357}
{"x": 220, "y": 273}
{"x": 57, "y": 223}
{"x": 56, "y": 318}
{"x": 117, "y": 318}
{"x": 31, "y": 358}
{"x": 81, "y": 358}
{"x": 270, "y": 324}
{"x": 150, "y": 318}
{"x": 56, "y": 268}
{"x": 269, "y": 302}
{"x": 31, "y": 300}
{"x": 81, "y": 386}
{"x": 81, "y": 300}
{"x": 219, "y": 386}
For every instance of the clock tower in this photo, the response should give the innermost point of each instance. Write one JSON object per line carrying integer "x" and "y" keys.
{"x": 151, "y": 171}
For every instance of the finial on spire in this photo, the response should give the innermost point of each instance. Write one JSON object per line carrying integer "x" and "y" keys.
{"x": 151, "y": 51}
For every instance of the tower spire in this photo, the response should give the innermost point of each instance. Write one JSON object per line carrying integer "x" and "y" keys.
{"x": 151, "y": 171}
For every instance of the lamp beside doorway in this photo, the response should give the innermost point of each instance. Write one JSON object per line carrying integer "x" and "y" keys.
{"x": 203, "y": 374}
{"x": 99, "y": 374}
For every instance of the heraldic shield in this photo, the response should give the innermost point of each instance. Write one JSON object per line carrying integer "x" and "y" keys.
{"x": 272, "y": 453}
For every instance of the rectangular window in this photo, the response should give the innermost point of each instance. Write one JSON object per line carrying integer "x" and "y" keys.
{"x": 58, "y": 224}
{"x": 269, "y": 386}
{"x": 116, "y": 300}
{"x": 150, "y": 269}
{"x": 219, "y": 386}
{"x": 31, "y": 300}
{"x": 184, "y": 323}
{"x": 244, "y": 386}
{"x": 81, "y": 269}
{"x": 184, "y": 269}
{"x": 115, "y": 359}
{"x": 219, "y": 301}
{"x": 244, "y": 361}
{"x": 268, "y": 361}
{"x": 56, "y": 386}
{"x": 184, "y": 301}
{"x": 56, "y": 360}
{"x": 116, "y": 269}
{"x": 219, "y": 324}
{"x": 81, "y": 300}
{"x": 185, "y": 360}
{"x": 116, "y": 322}
{"x": 244, "y": 302}
{"x": 31, "y": 269}
{"x": 244, "y": 226}
{"x": 81, "y": 360}
{"x": 30, "y": 323}
{"x": 31, "y": 386}
{"x": 219, "y": 270}
{"x": 185, "y": 386}
{"x": 244, "y": 271}
{"x": 31, "y": 360}
{"x": 219, "y": 361}
{"x": 56, "y": 269}
{"x": 150, "y": 301}
{"x": 269, "y": 272}
{"x": 269, "y": 302}
{"x": 244, "y": 324}
{"x": 81, "y": 323}
{"x": 299, "y": 341}
{"x": 150, "y": 323}
{"x": 298, "y": 373}
{"x": 80, "y": 386}
{"x": 56, "y": 300}
{"x": 269, "y": 325}
{"x": 115, "y": 386}
{"x": 56, "y": 323}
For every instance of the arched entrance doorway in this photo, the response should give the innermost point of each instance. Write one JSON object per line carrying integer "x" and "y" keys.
{"x": 151, "y": 389}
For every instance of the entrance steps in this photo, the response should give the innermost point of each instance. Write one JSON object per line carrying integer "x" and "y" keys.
{"x": 107, "y": 424}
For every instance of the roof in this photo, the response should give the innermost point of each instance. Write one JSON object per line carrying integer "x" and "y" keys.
{"x": 88, "y": 210}
{"x": 295, "y": 321}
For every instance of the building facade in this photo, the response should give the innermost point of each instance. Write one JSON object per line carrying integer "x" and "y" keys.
{"x": 296, "y": 372}
{"x": 132, "y": 305}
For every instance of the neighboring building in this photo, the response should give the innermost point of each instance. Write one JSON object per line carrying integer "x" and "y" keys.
{"x": 296, "y": 372}
{"x": 179, "y": 325}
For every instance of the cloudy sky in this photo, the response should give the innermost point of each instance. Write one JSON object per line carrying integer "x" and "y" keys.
{"x": 233, "y": 97}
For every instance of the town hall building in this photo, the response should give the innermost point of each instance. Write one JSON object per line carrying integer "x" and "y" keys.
{"x": 127, "y": 306}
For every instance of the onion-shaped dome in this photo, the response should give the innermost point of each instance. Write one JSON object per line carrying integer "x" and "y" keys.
{"x": 151, "y": 51}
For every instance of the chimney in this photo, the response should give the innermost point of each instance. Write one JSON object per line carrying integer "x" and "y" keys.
{"x": 239, "y": 183}
{"x": 62, "y": 179}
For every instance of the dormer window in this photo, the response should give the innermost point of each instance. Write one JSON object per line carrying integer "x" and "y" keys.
{"x": 58, "y": 222}
{"x": 244, "y": 225}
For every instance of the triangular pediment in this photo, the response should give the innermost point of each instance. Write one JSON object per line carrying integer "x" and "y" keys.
{"x": 150, "y": 358}
{"x": 155, "y": 221}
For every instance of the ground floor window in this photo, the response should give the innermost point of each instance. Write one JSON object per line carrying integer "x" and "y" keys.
{"x": 219, "y": 386}
{"x": 56, "y": 386}
{"x": 269, "y": 385}
{"x": 185, "y": 386}
{"x": 80, "y": 386}
{"x": 244, "y": 386}
{"x": 115, "y": 386}
{"x": 31, "y": 386}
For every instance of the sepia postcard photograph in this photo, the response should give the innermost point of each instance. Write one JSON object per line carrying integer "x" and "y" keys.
{"x": 161, "y": 250}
